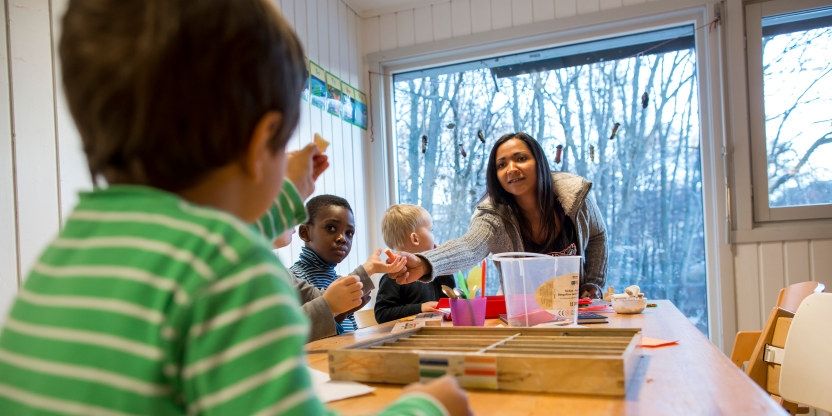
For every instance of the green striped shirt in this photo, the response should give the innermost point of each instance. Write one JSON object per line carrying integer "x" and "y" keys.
{"x": 147, "y": 304}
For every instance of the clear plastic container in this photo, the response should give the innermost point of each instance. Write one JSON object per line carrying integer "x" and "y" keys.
{"x": 539, "y": 289}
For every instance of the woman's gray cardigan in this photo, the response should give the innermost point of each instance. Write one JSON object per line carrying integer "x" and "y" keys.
{"x": 494, "y": 230}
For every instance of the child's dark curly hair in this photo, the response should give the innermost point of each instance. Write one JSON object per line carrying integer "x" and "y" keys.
{"x": 314, "y": 205}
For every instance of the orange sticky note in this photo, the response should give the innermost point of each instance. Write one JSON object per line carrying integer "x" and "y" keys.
{"x": 648, "y": 342}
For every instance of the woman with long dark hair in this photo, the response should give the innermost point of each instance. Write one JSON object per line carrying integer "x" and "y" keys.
{"x": 529, "y": 208}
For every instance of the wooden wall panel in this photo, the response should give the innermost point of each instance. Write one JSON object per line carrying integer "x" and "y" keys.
{"x": 746, "y": 275}
{"x": 610, "y": 4}
{"x": 422, "y": 24}
{"x": 388, "y": 36}
{"x": 588, "y": 6}
{"x": 543, "y": 10}
{"x": 565, "y": 8}
{"x": 821, "y": 262}
{"x": 796, "y": 260}
{"x": 521, "y": 12}
{"x": 500, "y": 14}
{"x": 370, "y": 34}
{"x": 8, "y": 197}
{"x": 461, "y": 18}
{"x": 765, "y": 268}
{"x": 480, "y": 16}
{"x": 404, "y": 28}
{"x": 33, "y": 121}
{"x": 441, "y": 21}
{"x": 771, "y": 273}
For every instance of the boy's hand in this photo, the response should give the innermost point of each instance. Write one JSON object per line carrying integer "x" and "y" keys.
{"x": 374, "y": 264}
{"x": 344, "y": 294}
{"x": 415, "y": 267}
{"x": 447, "y": 391}
{"x": 365, "y": 300}
{"x": 304, "y": 167}
{"x": 430, "y": 306}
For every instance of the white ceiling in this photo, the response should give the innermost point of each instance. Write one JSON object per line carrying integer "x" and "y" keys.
{"x": 369, "y": 8}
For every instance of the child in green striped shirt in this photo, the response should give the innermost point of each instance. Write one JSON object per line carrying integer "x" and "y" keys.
{"x": 157, "y": 297}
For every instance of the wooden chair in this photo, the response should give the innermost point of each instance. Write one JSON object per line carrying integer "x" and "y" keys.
{"x": 764, "y": 349}
{"x": 789, "y": 300}
{"x": 365, "y": 318}
{"x": 806, "y": 372}
{"x": 764, "y": 364}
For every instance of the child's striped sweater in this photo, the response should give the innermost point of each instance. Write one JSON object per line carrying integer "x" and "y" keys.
{"x": 147, "y": 304}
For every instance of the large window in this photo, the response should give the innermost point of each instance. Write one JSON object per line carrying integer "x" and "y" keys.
{"x": 790, "y": 89}
{"x": 625, "y": 113}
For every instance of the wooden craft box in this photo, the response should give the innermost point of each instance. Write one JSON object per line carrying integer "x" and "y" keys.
{"x": 550, "y": 360}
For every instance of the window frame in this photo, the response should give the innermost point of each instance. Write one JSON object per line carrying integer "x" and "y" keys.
{"x": 762, "y": 212}
{"x": 582, "y": 28}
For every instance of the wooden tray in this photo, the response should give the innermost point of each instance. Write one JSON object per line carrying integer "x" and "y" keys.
{"x": 550, "y": 360}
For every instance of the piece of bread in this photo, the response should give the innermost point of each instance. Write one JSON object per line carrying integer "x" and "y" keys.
{"x": 321, "y": 143}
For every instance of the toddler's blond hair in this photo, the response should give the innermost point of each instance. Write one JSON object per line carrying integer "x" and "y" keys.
{"x": 399, "y": 221}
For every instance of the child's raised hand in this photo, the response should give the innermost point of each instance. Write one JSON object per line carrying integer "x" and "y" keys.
{"x": 375, "y": 264}
{"x": 344, "y": 294}
{"x": 304, "y": 166}
{"x": 447, "y": 391}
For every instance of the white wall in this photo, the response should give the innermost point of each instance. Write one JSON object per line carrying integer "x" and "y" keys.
{"x": 761, "y": 269}
{"x": 329, "y": 32}
{"x": 41, "y": 163}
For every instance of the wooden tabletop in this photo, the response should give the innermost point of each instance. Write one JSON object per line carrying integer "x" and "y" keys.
{"x": 693, "y": 377}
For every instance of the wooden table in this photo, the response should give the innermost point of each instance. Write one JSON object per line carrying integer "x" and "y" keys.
{"x": 692, "y": 378}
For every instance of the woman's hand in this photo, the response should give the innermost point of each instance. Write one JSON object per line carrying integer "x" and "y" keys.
{"x": 416, "y": 267}
{"x": 374, "y": 264}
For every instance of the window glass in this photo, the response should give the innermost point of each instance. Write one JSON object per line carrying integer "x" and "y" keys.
{"x": 625, "y": 114}
{"x": 797, "y": 88}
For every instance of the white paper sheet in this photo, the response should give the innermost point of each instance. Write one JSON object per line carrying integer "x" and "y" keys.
{"x": 330, "y": 391}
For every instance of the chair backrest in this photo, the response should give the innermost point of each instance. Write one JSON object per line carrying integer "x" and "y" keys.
{"x": 806, "y": 373}
{"x": 791, "y": 296}
{"x": 788, "y": 300}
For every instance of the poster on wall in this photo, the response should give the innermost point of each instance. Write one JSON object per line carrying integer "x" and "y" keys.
{"x": 359, "y": 110}
{"x": 333, "y": 91}
{"x": 347, "y": 92}
{"x": 317, "y": 85}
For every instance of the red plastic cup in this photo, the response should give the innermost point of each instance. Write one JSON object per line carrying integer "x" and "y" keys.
{"x": 468, "y": 312}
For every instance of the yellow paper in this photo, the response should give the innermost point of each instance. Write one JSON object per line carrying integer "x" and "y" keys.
{"x": 474, "y": 278}
{"x": 321, "y": 143}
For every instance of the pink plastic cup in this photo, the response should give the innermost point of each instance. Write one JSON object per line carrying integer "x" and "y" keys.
{"x": 468, "y": 312}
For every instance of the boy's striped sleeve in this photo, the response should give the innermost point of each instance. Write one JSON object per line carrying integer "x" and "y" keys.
{"x": 245, "y": 345}
{"x": 245, "y": 349}
{"x": 286, "y": 211}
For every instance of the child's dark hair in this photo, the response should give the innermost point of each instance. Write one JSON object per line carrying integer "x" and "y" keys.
{"x": 322, "y": 201}
{"x": 164, "y": 91}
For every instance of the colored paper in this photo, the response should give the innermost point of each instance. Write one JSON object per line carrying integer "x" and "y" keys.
{"x": 648, "y": 342}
